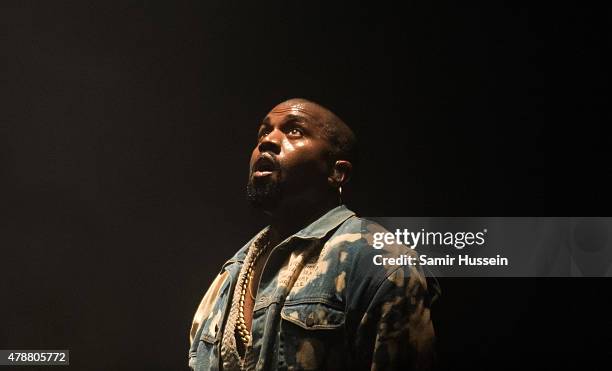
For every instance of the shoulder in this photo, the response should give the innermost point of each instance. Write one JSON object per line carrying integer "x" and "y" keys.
{"x": 357, "y": 241}
{"x": 206, "y": 309}
{"x": 356, "y": 250}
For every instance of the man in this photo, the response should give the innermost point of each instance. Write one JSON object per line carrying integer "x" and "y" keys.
{"x": 304, "y": 293}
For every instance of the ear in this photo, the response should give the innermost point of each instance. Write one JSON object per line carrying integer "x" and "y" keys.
{"x": 340, "y": 173}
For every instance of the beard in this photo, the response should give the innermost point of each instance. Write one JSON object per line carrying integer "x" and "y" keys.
{"x": 263, "y": 194}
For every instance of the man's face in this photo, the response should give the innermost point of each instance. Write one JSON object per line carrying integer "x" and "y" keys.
{"x": 290, "y": 160}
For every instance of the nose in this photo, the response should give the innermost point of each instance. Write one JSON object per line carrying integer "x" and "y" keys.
{"x": 271, "y": 142}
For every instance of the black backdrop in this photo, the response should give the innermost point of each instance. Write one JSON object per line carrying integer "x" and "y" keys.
{"x": 127, "y": 128}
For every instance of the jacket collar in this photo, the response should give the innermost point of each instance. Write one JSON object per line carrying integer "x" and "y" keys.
{"x": 330, "y": 220}
{"x": 315, "y": 230}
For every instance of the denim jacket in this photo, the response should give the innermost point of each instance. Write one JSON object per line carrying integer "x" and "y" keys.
{"x": 323, "y": 304}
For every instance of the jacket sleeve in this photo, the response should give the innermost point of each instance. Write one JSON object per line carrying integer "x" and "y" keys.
{"x": 396, "y": 331}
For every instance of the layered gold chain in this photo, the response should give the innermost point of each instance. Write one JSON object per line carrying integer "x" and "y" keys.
{"x": 241, "y": 327}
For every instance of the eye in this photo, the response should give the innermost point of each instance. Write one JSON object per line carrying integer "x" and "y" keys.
{"x": 295, "y": 132}
{"x": 263, "y": 132}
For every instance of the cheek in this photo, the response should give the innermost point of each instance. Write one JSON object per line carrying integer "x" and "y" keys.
{"x": 296, "y": 155}
{"x": 289, "y": 147}
{"x": 304, "y": 159}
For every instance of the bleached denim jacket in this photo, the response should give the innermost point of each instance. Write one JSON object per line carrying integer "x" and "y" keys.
{"x": 323, "y": 304}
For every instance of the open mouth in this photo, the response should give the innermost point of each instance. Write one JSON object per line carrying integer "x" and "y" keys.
{"x": 264, "y": 166}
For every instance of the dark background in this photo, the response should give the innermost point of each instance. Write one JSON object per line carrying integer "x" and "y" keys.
{"x": 127, "y": 127}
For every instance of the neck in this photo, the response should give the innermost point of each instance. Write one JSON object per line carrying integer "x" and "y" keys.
{"x": 287, "y": 221}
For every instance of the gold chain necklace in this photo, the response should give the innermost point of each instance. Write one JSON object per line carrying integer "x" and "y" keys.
{"x": 241, "y": 327}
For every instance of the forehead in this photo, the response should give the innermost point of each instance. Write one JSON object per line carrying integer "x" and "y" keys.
{"x": 307, "y": 111}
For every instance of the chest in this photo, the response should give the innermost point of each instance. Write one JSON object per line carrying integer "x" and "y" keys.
{"x": 298, "y": 313}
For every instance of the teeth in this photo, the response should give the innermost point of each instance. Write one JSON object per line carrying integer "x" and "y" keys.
{"x": 261, "y": 173}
